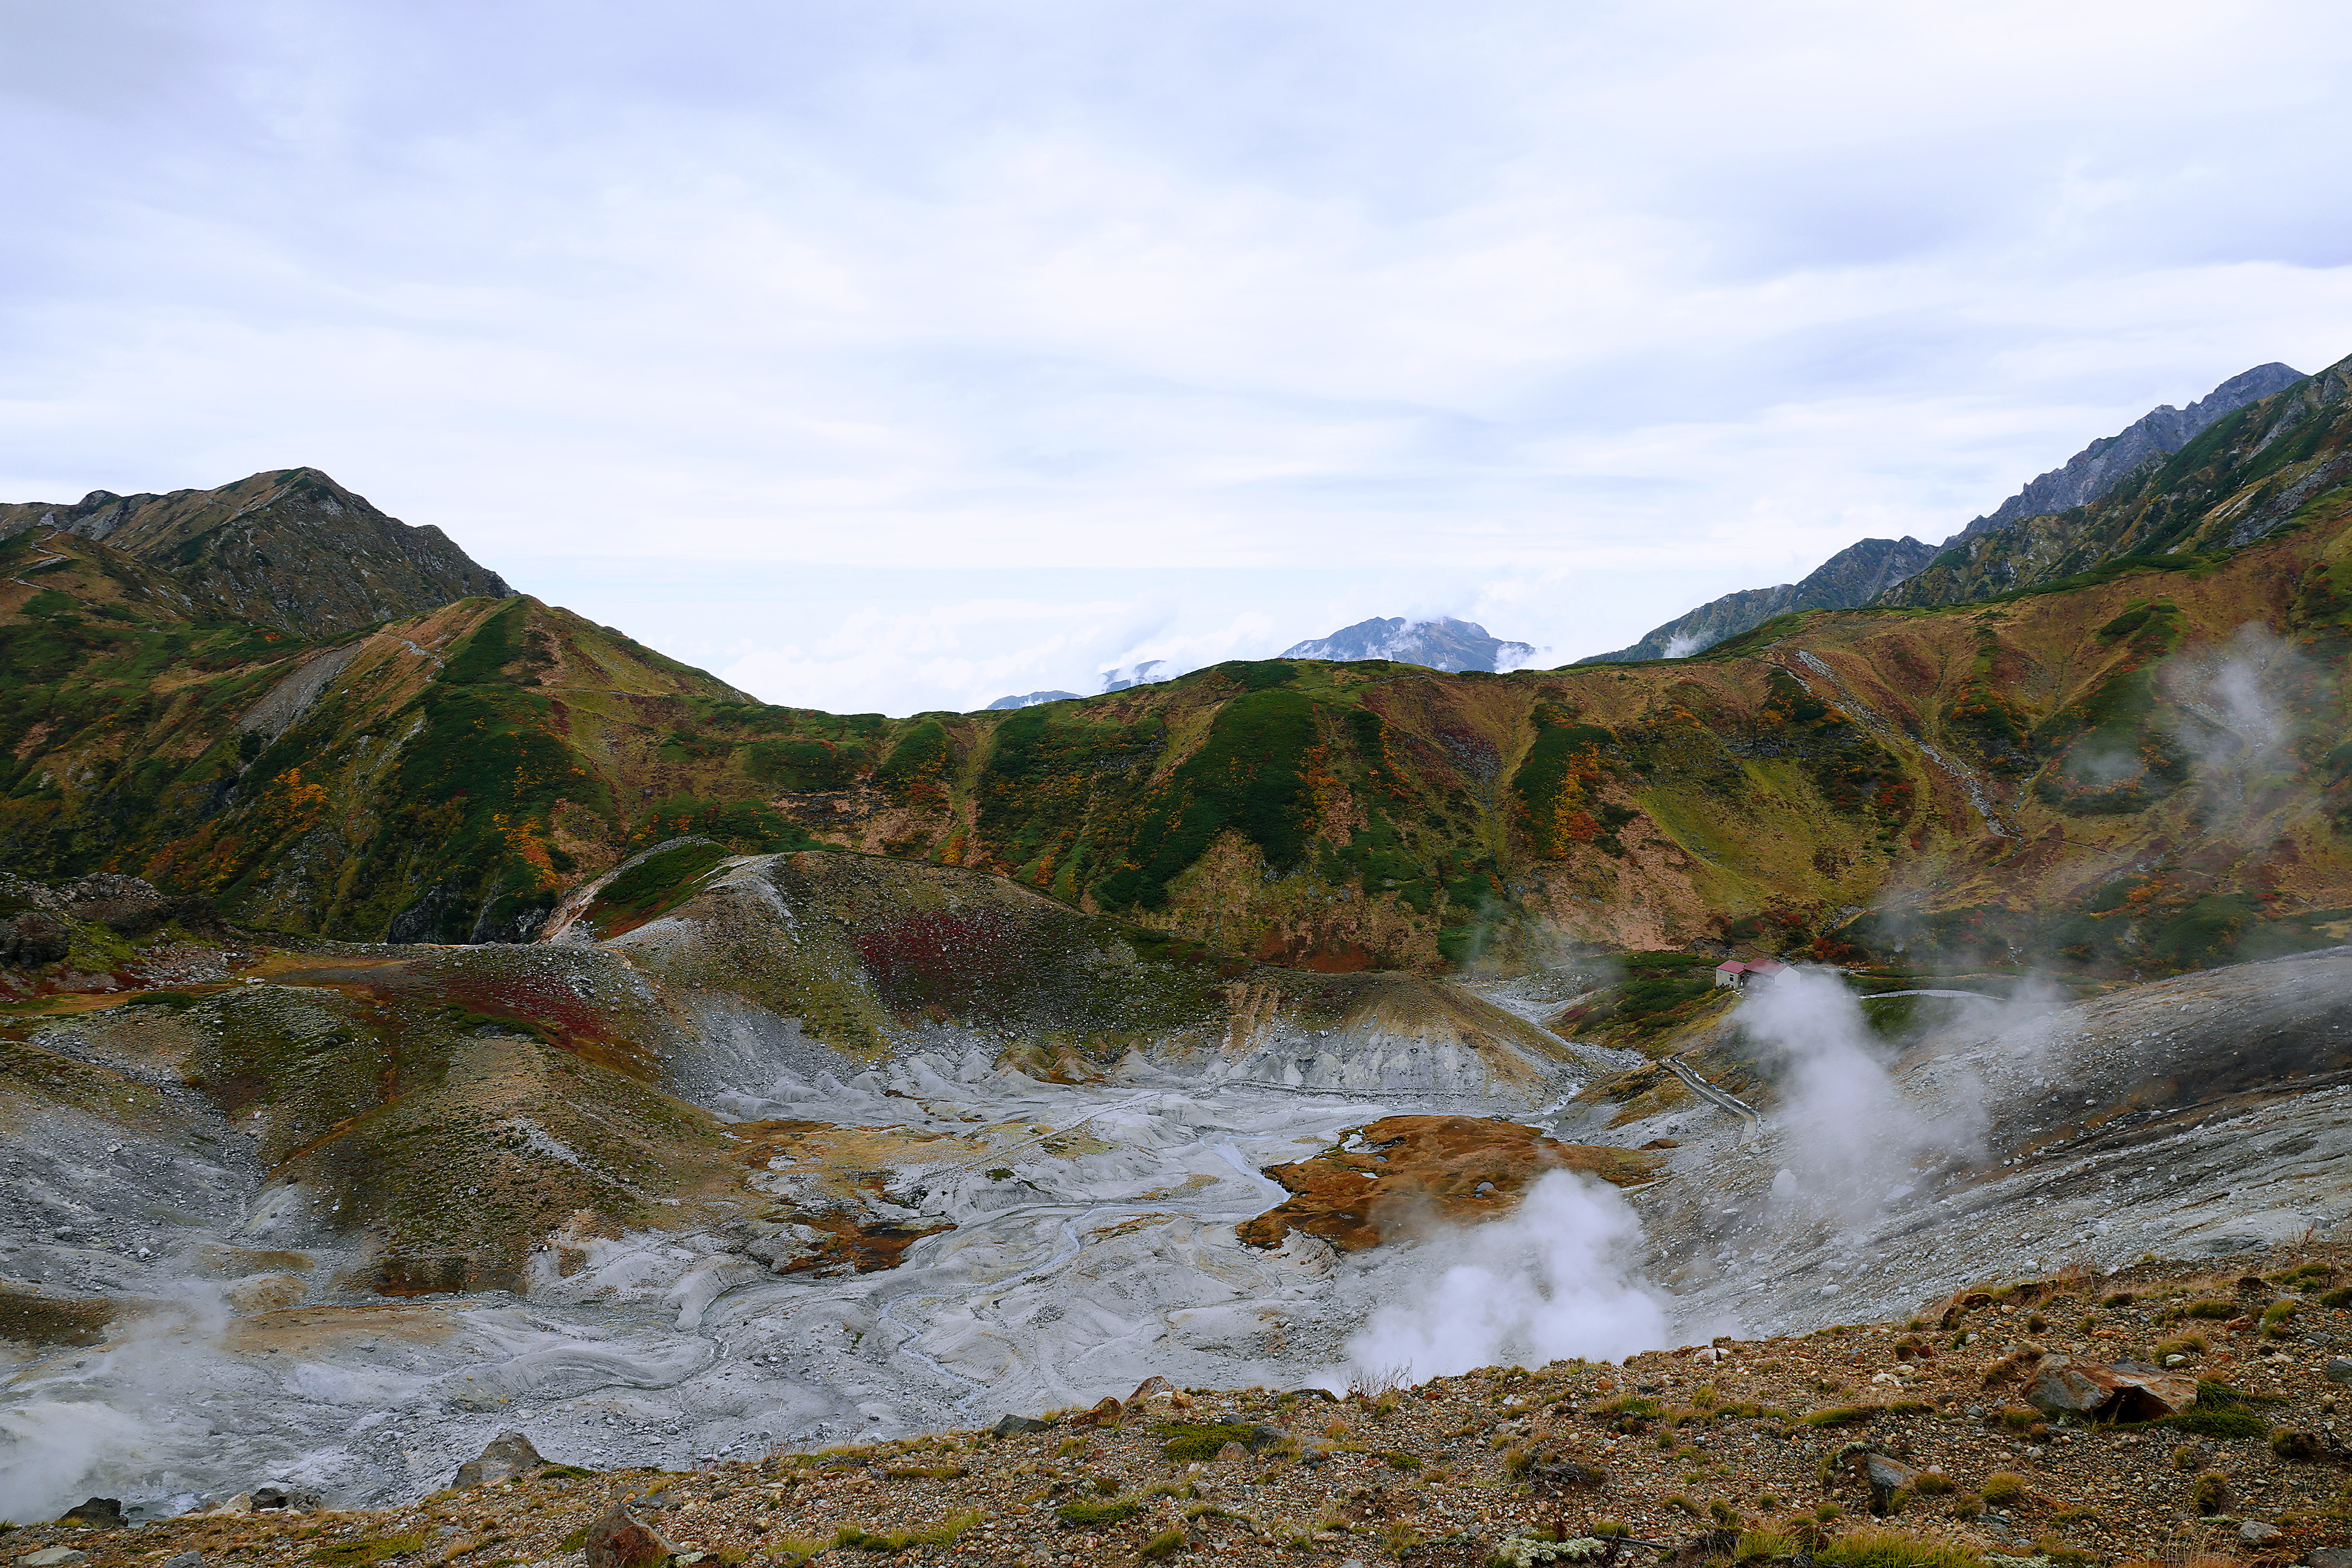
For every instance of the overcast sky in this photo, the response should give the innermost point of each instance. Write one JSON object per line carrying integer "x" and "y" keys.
{"x": 901, "y": 355}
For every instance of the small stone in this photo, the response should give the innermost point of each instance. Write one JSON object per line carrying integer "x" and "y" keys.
{"x": 2328, "y": 1557}
{"x": 2339, "y": 1369}
{"x": 1105, "y": 1413}
{"x": 620, "y": 1540}
{"x": 1885, "y": 1476}
{"x": 2175, "y": 1360}
{"x": 2253, "y": 1531}
{"x": 509, "y": 1455}
{"x": 1151, "y": 1387}
{"x": 1014, "y": 1426}
{"x": 267, "y": 1498}
{"x": 52, "y": 1557}
{"x": 196, "y": 1560}
{"x": 1232, "y": 1451}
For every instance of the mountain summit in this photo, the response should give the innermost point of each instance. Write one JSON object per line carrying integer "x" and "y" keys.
{"x": 290, "y": 548}
{"x": 1440, "y": 643}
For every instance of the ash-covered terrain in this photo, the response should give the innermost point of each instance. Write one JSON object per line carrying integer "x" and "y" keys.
{"x": 761, "y": 1152}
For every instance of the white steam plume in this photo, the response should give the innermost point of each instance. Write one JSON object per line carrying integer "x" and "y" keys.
{"x": 53, "y": 1450}
{"x": 1554, "y": 1278}
{"x": 1855, "y": 1142}
{"x": 2240, "y": 723}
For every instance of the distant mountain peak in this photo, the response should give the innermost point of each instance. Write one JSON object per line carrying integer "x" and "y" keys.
{"x": 1029, "y": 699}
{"x": 1440, "y": 642}
{"x": 2109, "y": 460}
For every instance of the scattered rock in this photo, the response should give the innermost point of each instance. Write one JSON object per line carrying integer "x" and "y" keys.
{"x": 1154, "y": 1386}
{"x": 509, "y": 1454}
{"x": 620, "y": 1540}
{"x": 1106, "y": 1413}
{"x": 186, "y": 1559}
{"x": 1232, "y": 1451}
{"x": 98, "y": 1513}
{"x": 1012, "y": 1425}
{"x": 2253, "y": 1531}
{"x": 2317, "y": 1557}
{"x": 1885, "y": 1476}
{"x": 2123, "y": 1391}
{"x": 2339, "y": 1369}
{"x": 52, "y": 1557}
{"x": 1554, "y": 1474}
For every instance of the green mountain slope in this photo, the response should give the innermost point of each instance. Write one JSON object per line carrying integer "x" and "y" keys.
{"x": 2108, "y": 770}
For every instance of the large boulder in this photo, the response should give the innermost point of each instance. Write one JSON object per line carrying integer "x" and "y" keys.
{"x": 509, "y": 1454}
{"x": 2118, "y": 1390}
{"x": 98, "y": 1513}
{"x": 620, "y": 1540}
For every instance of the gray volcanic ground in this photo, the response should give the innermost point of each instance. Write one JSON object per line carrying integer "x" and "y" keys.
{"x": 1093, "y": 1241}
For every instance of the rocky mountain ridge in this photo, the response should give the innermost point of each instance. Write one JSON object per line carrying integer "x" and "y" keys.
{"x": 290, "y": 548}
{"x": 1862, "y": 572}
{"x": 2109, "y": 460}
{"x": 1855, "y": 576}
{"x": 2273, "y": 464}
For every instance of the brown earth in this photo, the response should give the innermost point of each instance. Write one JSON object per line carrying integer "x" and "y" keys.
{"x": 1413, "y": 1171}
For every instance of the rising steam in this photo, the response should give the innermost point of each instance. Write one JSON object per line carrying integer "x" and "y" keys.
{"x": 1553, "y": 1279}
{"x": 1854, "y": 1143}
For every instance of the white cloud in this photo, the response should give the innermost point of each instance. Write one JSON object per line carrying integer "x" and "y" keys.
{"x": 1581, "y": 313}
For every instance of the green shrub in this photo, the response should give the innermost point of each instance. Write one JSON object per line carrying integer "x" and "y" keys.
{"x": 2218, "y": 1421}
{"x": 1894, "y": 1548}
{"x": 2212, "y": 1309}
{"x": 1167, "y": 1543}
{"x": 1108, "y": 1512}
{"x": 375, "y": 1548}
{"x": 2303, "y": 1447}
{"x": 944, "y": 1533}
{"x": 1840, "y": 1415}
{"x": 1183, "y": 1441}
{"x": 2003, "y": 1487}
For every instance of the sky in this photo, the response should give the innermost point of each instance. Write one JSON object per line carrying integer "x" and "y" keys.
{"x": 897, "y": 356}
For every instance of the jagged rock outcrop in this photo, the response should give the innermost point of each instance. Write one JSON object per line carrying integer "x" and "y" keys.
{"x": 2280, "y": 460}
{"x": 1855, "y": 575}
{"x": 2109, "y": 460}
{"x": 1441, "y": 643}
{"x": 290, "y": 548}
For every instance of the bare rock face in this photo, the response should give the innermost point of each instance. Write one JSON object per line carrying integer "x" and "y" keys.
{"x": 620, "y": 1540}
{"x": 1455, "y": 1168}
{"x": 509, "y": 1454}
{"x": 2124, "y": 1390}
